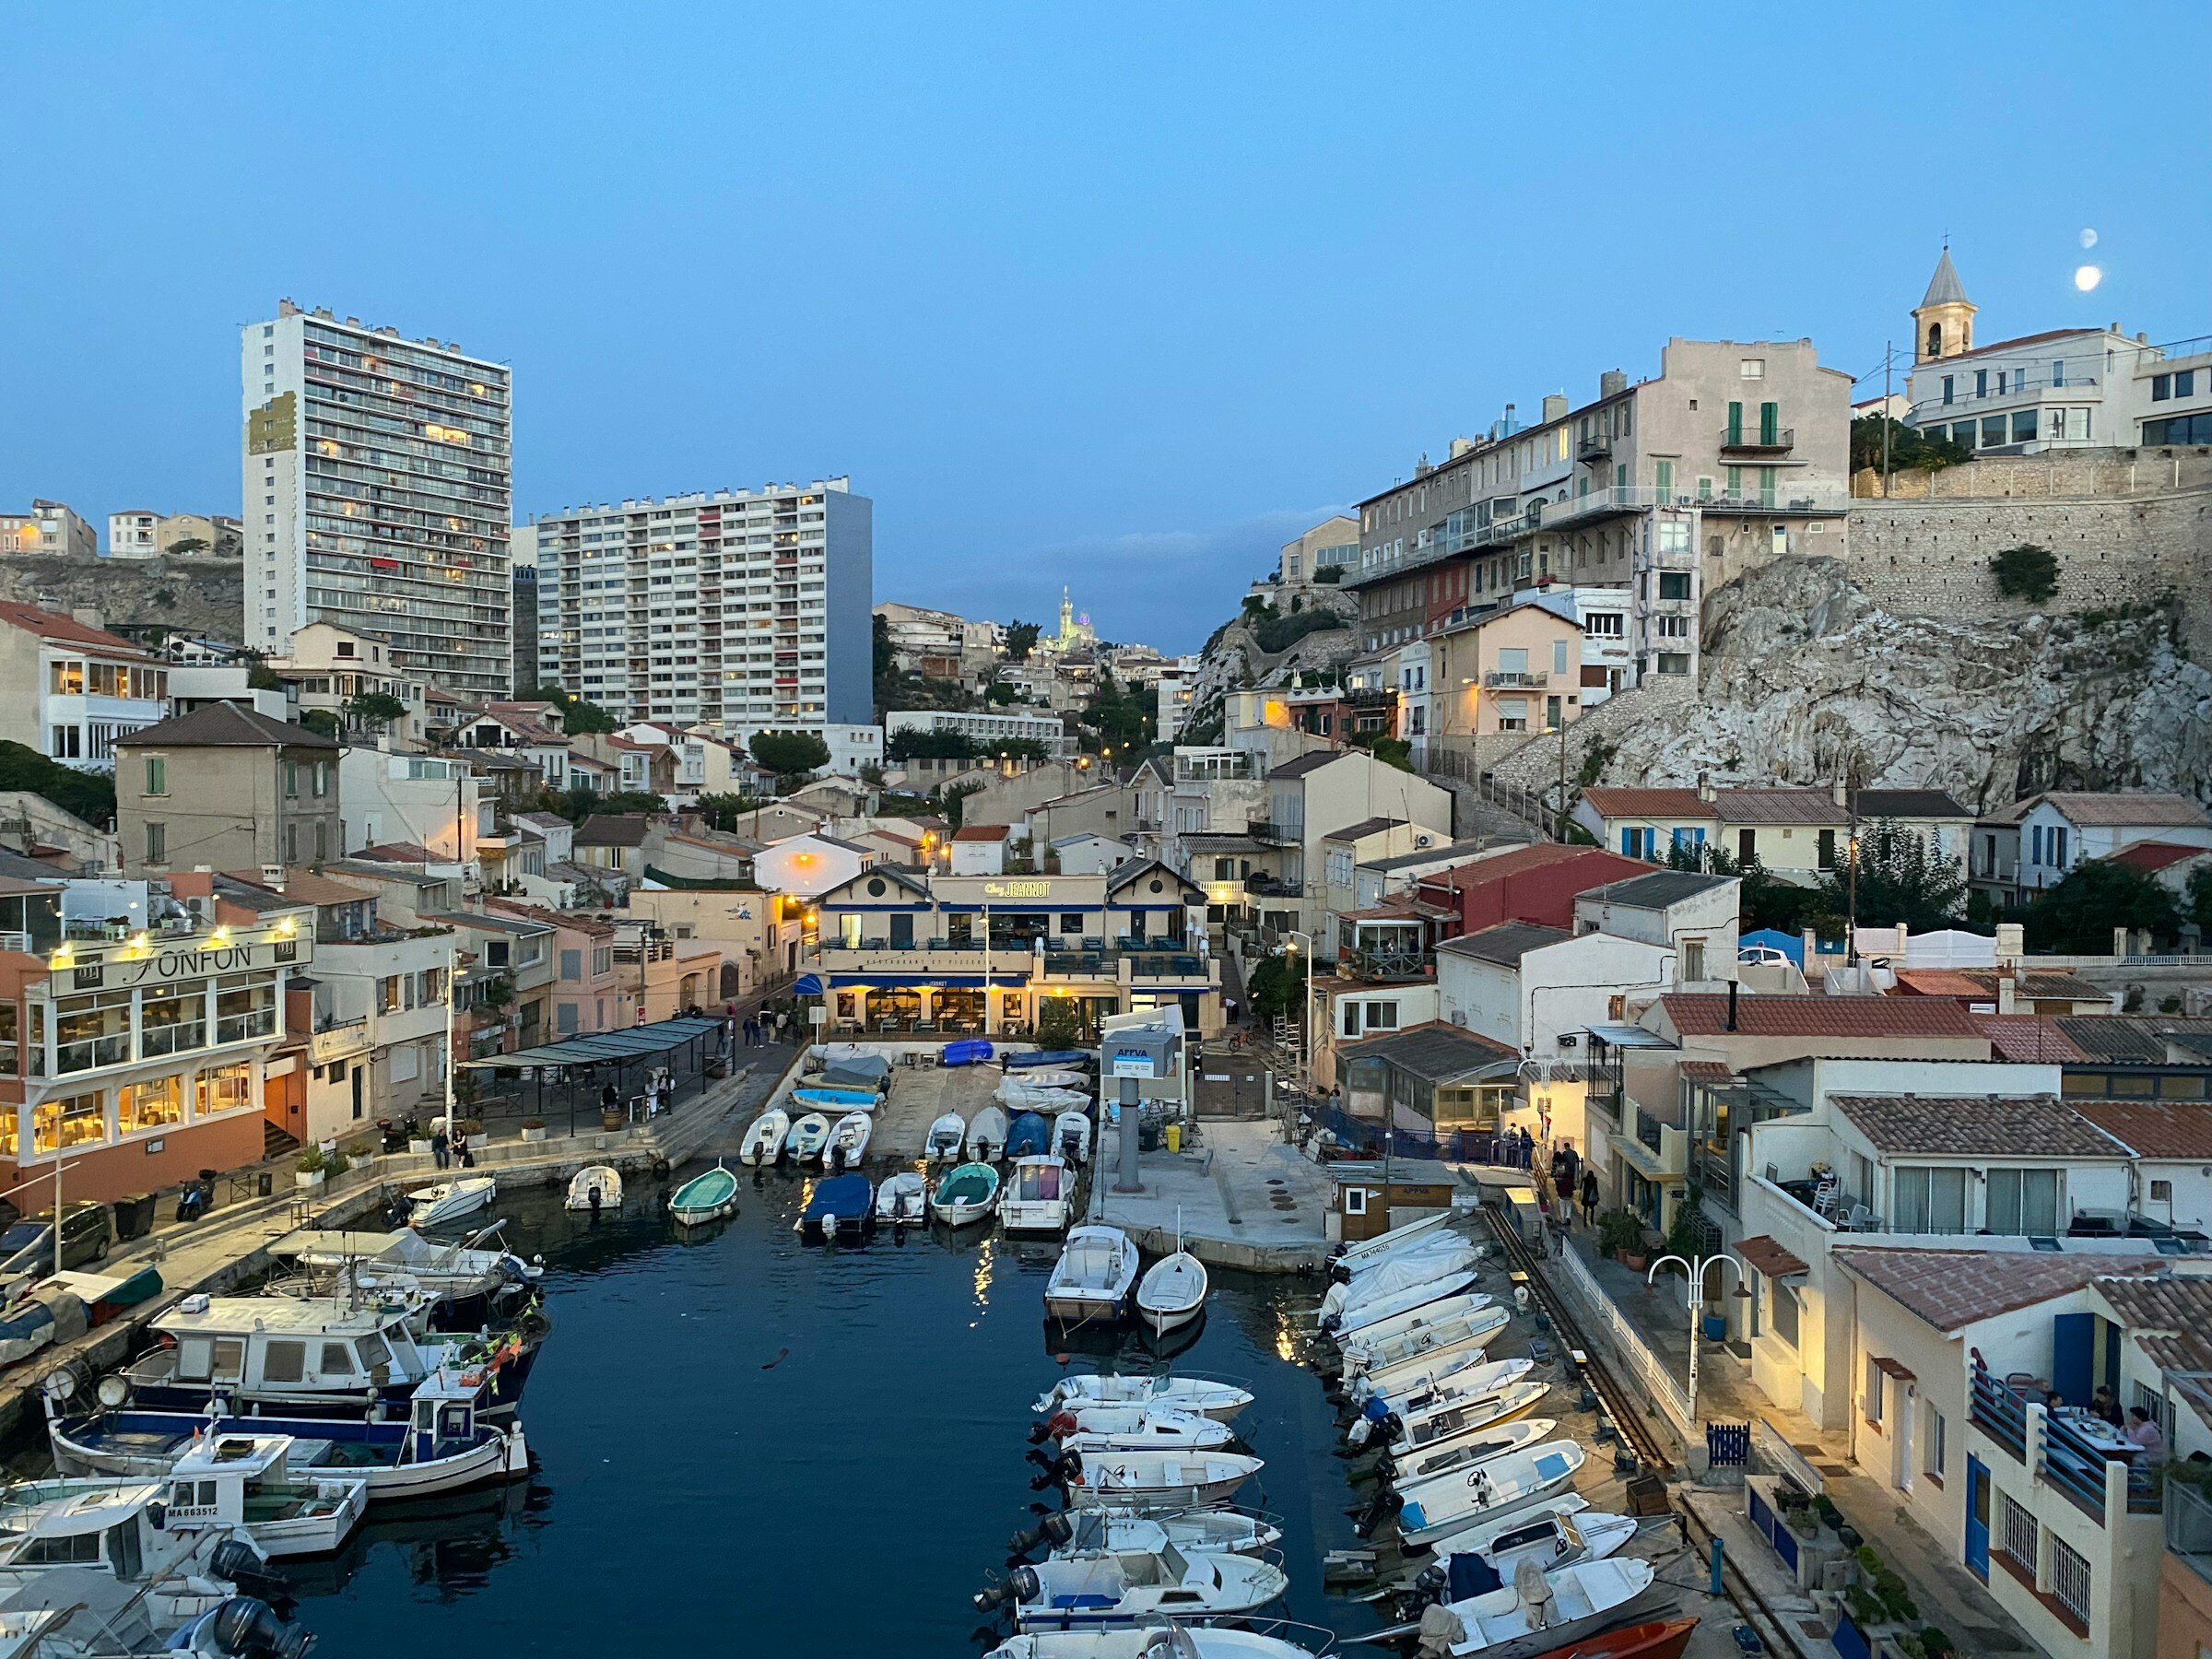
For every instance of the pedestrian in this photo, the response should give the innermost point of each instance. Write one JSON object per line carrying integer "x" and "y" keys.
{"x": 2145, "y": 1433}
{"x": 440, "y": 1153}
{"x": 462, "y": 1155}
{"x": 610, "y": 1099}
{"x": 1589, "y": 1198}
{"x": 1571, "y": 1160}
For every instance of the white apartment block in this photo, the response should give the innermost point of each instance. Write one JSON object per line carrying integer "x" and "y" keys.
{"x": 740, "y": 610}
{"x": 985, "y": 729}
{"x": 139, "y": 534}
{"x": 1176, "y": 687}
{"x": 377, "y": 473}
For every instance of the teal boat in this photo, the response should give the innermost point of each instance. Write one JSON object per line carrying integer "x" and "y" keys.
{"x": 705, "y": 1198}
{"x": 967, "y": 1193}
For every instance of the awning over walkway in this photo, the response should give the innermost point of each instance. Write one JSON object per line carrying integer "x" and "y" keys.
{"x": 1771, "y": 1258}
{"x": 603, "y": 1046}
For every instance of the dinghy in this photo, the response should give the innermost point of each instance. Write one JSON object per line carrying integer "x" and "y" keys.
{"x": 1176, "y": 1641}
{"x": 1035, "y": 1197}
{"x": 1451, "y": 1503}
{"x": 1088, "y": 1428}
{"x": 903, "y": 1199}
{"x": 243, "y": 1481}
{"x": 764, "y": 1141}
{"x": 1353, "y": 1256}
{"x": 595, "y": 1187}
{"x": 987, "y": 1134}
{"x": 826, "y": 1100}
{"x": 1376, "y": 1310}
{"x": 966, "y": 1194}
{"x": 968, "y": 1052}
{"x": 1173, "y": 1291}
{"x": 1094, "y": 1277}
{"x": 1554, "y": 1535}
{"x": 946, "y": 1137}
{"x": 1049, "y": 1102}
{"x": 848, "y": 1143}
{"x": 1050, "y": 1060}
{"x": 1426, "y": 1394}
{"x": 1221, "y": 1401}
{"x": 1071, "y": 1136}
{"x": 1463, "y": 1451}
{"x": 809, "y": 1135}
{"x": 1422, "y": 1371}
{"x": 1194, "y": 1531}
{"x": 1538, "y": 1613}
{"x": 1152, "y": 1481}
{"x": 1032, "y": 1082}
{"x": 1028, "y": 1136}
{"x": 840, "y": 1207}
{"x": 1447, "y": 1424}
{"x": 1118, "y": 1589}
{"x": 450, "y": 1200}
{"x": 1433, "y": 1325}
{"x": 705, "y": 1197}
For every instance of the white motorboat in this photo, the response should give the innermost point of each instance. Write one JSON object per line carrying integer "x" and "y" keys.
{"x": 947, "y": 1136}
{"x": 903, "y": 1199}
{"x": 1431, "y": 1325}
{"x": 1353, "y": 1256}
{"x": 1174, "y": 1642}
{"x": 987, "y": 1134}
{"x": 1152, "y": 1481}
{"x": 1464, "y": 1451}
{"x": 1537, "y": 1612}
{"x": 244, "y": 1482}
{"x": 1478, "y": 1329}
{"x": 1118, "y": 1588}
{"x": 1071, "y": 1136}
{"x": 1173, "y": 1291}
{"x": 1446, "y": 1423}
{"x": 1088, "y": 1428}
{"x": 1553, "y": 1534}
{"x": 1420, "y": 1265}
{"x": 1037, "y": 1198}
{"x": 1426, "y": 1394}
{"x": 595, "y": 1187}
{"x": 764, "y": 1141}
{"x": 1377, "y": 1309}
{"x": 1451, "y": 1503}
{"x": 807, "y": 1138}
{"x": 111, "y": 1528}
{"x": 463, "y": 1284}
{"x": 1015, "y": 1084}
{"x": 1221, "y": 1401}
{"x": 1194, "y": 1531}
{"x": 450, "y": 1200}
{"x": 848, "y": 1143}
{"x": 1094, "y": 1277}
{"x": 1048, "y": 1103}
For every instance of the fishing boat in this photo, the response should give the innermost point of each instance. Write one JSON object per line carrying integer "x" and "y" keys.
{"x": 946, "y": 1137}
{"x": 439, "y": 1442}
{"x": 1035, "y": 1197}
{"x": 902, "y": 1200}
{"x": 1035, "y": 1081}
{"x": 1078, "y": 1060}
{"x": 1088, "y": 1428}
{"x": 809, "y": 1135}
{"x": 1451, "y": 1503}
{"x": 1374, "y": 1311}
{"x": 1352, "y": 1258}
{"x": 764, "y": 1141}
{"x": 970, "y": 1051}
{"x": 1174, "y": 1642}
{"x": 1427, "y": 1349}
{"x": 1221, "y": 1401}
{"x": 1536, "y": 1613}
{"x": 826, "y": 1100}
{"x": 1173, "y": 1291}
{"x": 1419, "y": 1266}
{"x": 595, "y": 1187}
{"x": 56, "y": 1533}
{"x": 1152, "y": 1481}
{"x": 1431, "y": 1325}
{"x": 1194, "y": 1531}
{"x": 245, "y": 1482}
{"x": 1464, "y": 1451}
{"x": 1656, "y": 1639}
{"x": 848, "y": 1143}
{"x": 1071, "y": 1136}
{"x": 967, "y": 1193}
{"x": 987, "y": 1134}
{"x": 1094, "y": 1277}
{"x": 707, "y": 1196}
{"x": 450, "y": 1200}
{"x": 1028, "y": 1136}
{"x": 840, "y": 1207}
{"x": 1116, "y": 1589}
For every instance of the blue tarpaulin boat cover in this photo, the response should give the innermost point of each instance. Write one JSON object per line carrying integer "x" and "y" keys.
{"x": 840, "y": 1197}
{"x": 1469, "y": 1575}
{"x": 1047, "y": 1057}
{"x": 1030, "y": 1136}
{"x": 970, "y": 1052}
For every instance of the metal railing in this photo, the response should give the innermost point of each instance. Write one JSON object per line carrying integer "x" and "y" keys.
{"x": 1999, "y": 1413}
{"x": 1629, "y": 1346}
{"x": 1648, "y": 1129}
{"x": 2189, "y": 1525}
{"x": 1758, "y": 438}
{"x": 1516, "y": 679}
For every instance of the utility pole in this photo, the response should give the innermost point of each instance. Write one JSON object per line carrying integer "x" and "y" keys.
{"x": 1888, "y": 355}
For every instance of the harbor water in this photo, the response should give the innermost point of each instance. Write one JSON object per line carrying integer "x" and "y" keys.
{"x": 748, "y": 1444}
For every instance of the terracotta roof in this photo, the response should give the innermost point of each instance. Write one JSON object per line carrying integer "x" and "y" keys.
{"x": 1713, "y": 1074}
{"x": 1505, "y": 944}
{"x": 2029, "y": 1039}
{"x": 1980, "y": 984}
{"x": 2151, "y": 856}
{"x": 1779, "y": 806}
{"x": 1503, "y": 866}
{"x": 573, "y": 921}
{"x": 399, "y": 852}
{"x": 1609, "y": 801}
{"x": 1940, "y": 981}
{"x": 1701, "y": 1014}
{"x": 2180, "y": 1129}
{"x": 1907, "y": 804}
{"x": 980, "y": 832}
{"x": 225, "y": 725}
{"x": 1893, "y": 1368}
{"x": 618, "y": 829}
{"x": 2174, "y": 1311}
{"x": 1953, "y": 1288}
{"x": 1976, "y": 1126}
{"x": 1770, "y": 1257}
{"x": 55, "y": 625}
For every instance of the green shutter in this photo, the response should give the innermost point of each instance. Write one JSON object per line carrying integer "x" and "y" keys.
{"x": 1735, "y": 423}
{"x": 1664, "y": 475}
{"x": 1770, "y": 423}
{"x": 1735, "y": 483}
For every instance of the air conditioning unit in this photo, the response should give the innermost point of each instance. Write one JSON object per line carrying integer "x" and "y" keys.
{"x": 1458, "y": 1018}
{"x": 1569, "y": 1039}
{"x": 1423, "y": 840}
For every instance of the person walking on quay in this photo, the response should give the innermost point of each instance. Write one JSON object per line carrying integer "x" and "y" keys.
{"x": 1589, "y": 1198}
{"x": 440, "y": 1154}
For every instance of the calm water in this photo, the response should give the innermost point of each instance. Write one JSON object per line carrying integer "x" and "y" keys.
{"x": 813, "y": 1451}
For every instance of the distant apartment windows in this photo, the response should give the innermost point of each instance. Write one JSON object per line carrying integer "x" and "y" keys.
{"x": 2058, "y": 372}
{"x": 1674, "y": 585}
{"x": 2023, "y": 426}
{"x": 1674, "y": 537}
{"x": 2177, "y": 429}
{"x": 1751, "y": 369}
{"x": 2161, "y": 387}
{"x": 1672, "y": 628}
{"x": 1604, "y": 625}
{"x": 157, "y": 844}
{"x": 1993, "y": 430}
{"x": 2024, "y": 1202}
{"x": 1980, "y": 382}
{"x": 1674, "y": 662}
{"x": 1928, "y": 1200}
{"x": 68, "y": 743}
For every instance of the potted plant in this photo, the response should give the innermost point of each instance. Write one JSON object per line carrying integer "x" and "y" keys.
{"x": 1621, "y": 1236}
{"x": 534, "y": 1130}
{"x": 1830, "y": 1516}
{"x": 335, "y": 1165}
{"x": 312, "y": 1171}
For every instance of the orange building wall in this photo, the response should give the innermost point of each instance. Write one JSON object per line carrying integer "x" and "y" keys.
{"x": 114, "y": 1172}
{"x": 2184, "y": 1611}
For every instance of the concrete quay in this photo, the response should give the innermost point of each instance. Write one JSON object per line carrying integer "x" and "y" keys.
{"x": 1241, "y": 1198}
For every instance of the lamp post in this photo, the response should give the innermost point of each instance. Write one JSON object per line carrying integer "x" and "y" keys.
{"x": 1307, "y": 1000}
{"x": 1694, "y": 1299}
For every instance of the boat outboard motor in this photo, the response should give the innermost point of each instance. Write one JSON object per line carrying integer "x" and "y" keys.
{"x": 235, "y": 1561}
{"x": 1067, "y": 1466}
{"x": 244, "y": 1625}
{"x": 1020, "y": 1585}
{"x": 1386, "y": 1505}
{"x": 1340, "y": 1274}
{"x": 1329, "y": 1321}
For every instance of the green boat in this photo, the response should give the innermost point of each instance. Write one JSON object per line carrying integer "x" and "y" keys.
{"x": 967, "y": 1193}
{"x": 705, "y": 1198}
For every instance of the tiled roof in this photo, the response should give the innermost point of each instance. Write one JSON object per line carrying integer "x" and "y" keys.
{"x": 1713, "y": 1074}
{"x": 2114, "y": 1037}
{"x": 573, "y": 920}
{"x": 1657, "y": 890}
{"x": 1779, "y": 806}
{"x": 2029, "y": 1039}
{"x": 1770, "y": 1257}
{"x": 1941, "y": 981}
{"x": 1465, "y": 851}
{"x": 1505, "y": 944}
{"x": 2151, "y": 856}
{"x": 1871, "y": 804}
{"x": 1364, "y": 828}
{"x": 1596, "y": 862}
{"x": 1954, "y": 1288}
{"x": 2173, "y": 1309}
{"x": 225, "y": 725}
{"x": 1701, "y": 1014}
{"x": 980, "y": 832}
{"x": 2125, "y": 809}
{"x": 1976, "y": 1126}
{"x": 605, "y": 830}
{"x": 2181, "y": 1129}
{"x": 400, "y": 853}
{"x": 1434, "y": 1053}
{"x": 1612, "y": 802}
{"x": 68, "y": 630}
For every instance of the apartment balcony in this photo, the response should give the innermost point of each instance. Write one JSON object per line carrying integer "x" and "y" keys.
{"x": 2189, "y": 1527}
{"x": 338, "y": 1041}
{"x": 931, "y": 958}
{"x": 1260, "y": 885}
{"x": 1658, "y": 1152}
{"x": 1757, "y": 441}
{"x": 1823, "y": 1196}
{"x": 1505, "y": 679}
{"x": 1402, "y": 963}
{"x": 2071, "y": 1453}
{"x": 1594, "y": 448}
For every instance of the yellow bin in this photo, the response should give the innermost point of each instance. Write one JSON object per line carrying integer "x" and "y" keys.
{"x": 1174, "y": 1137}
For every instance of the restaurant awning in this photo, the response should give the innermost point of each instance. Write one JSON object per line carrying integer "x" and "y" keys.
{"x": 601, "y": 1047}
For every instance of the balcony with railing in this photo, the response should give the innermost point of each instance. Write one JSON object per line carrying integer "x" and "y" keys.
{"x": 2081, "y": 1458}
{"x": 1513, "y": 680}
{"x": 1386, "y": 962}
{"x": 2189, "y": 1527}
{"x": 1761, "y": 439}
{"x": 1595, "y": 447}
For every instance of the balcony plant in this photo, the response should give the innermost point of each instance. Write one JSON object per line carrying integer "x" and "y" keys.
{"x": 1621, "y": 1236}
{"x": 1877, "y": 1597}
{"x": 534, "y": 1130}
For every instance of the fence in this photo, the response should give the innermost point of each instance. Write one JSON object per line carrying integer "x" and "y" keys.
{"x": 1570, "y": 1276}
{"x": 1536, "y": 807}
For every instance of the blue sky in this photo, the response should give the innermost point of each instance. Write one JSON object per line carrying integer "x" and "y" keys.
{"x": 1120, "y": 300}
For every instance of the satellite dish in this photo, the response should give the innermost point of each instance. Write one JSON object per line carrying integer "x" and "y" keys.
{"x": 114, "y": 1391}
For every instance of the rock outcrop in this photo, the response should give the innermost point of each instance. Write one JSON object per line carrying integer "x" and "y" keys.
{"x": 193, "y": 595}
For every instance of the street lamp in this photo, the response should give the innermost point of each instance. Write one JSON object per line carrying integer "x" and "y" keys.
{"x": 1693, "y": 1297}
{"x": 1307, "y": 999}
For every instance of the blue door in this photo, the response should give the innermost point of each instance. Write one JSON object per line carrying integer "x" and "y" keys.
{"x": 1977, "y": 1517}
{"x": 2073, "y": 1356}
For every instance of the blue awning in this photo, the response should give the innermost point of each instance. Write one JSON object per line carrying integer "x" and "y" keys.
{"x": 808, "y": 985}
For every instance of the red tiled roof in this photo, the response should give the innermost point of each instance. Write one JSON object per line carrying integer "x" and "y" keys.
{"x": 575, "y": 923}
{"x": 400, "y": 853}
{"x": 1939, "y": 981}
{"x": 980, "y": 832}
{"x": 1609, "y": 801}
{"x": 2151, "y": 856}
{"x": 1975, "y": 1126}
{"x": 53, "y": 625}
{"x": 2029, "y": 1039}
{"x": 1953, "y": 1288}
{"x": 1713, "y": 1074}
{"x": 2179, "y": 1129}
{"x": 1770, "y": 1257}
{"x": 1700, "y": 1014}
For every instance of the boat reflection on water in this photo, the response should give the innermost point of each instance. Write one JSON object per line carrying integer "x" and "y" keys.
{"x": 450, "y": 1543}
{"x": 1127, "y": 1347}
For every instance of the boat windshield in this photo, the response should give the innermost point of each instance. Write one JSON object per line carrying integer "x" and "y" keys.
{"x": 1040, "y": 1183}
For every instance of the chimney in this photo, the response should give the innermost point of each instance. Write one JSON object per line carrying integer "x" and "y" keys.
{"x": 86, "y": 614}
{"x": 1837, "y": 792}
{"x": 1612, "y": 382}
{"x": 1554, "y": 406}
{"x": 1460, "y": 446}
{"x": 2011, "y": 943}
{"x": 1705, "y": 790}
{"x": 1732, "y": 1004}
{"x": 2007, "y": 994}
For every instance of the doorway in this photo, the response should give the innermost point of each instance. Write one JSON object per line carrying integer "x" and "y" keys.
{"x": 1977, "y": 1517}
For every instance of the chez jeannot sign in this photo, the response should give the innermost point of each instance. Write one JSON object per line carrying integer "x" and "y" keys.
{"x": 166, "y": 964}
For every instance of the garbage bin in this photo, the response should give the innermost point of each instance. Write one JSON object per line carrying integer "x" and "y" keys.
{"x": 1148, "y": 1137}
{"x": 134, "y": 1216}
{"x": 266, "y": 1185}
{"x": 1174, "y": 1137}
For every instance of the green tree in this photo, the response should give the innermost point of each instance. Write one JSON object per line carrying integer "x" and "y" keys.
{"x": 262, "y": 678}
{"x": 186, "y": 545}
{"x": 1059, "y": 1025}
{"x": 908, "y": 743}
{"x": 375, "y": 708}
{"x": 325, "y": 721}
{"x": 1899, "y": 880}
{"x": 2199, "y": 903}
{"x": 2077, "y": 917}
{"x": 789, "y": 755}
{"x": 90, "y": 795}
{"x": 722, "y": 811}
{"x": 1911, "y": 449}
{"x": 1277, "y": 986}
{"x": 578, "y": 717}
{"x": 2027, "y": 572}
{"x": 956, "y": 799}
{"x": 1021, "y": 638}
{"x": 1117, "y": 718}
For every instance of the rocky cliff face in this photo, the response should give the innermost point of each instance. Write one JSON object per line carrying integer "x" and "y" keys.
{"x": 193, "y": 595}
{"x": 1234, "y": 658}
{"x": 1804, "y": 674}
